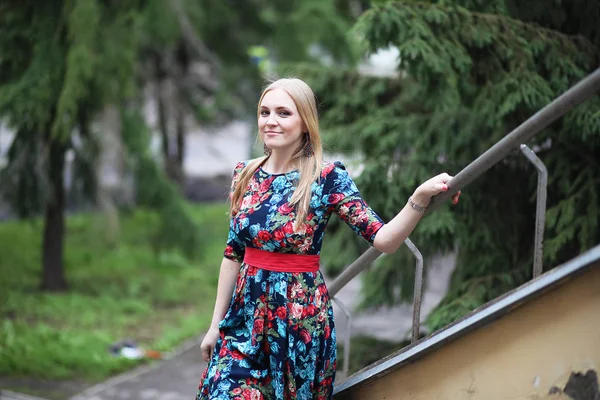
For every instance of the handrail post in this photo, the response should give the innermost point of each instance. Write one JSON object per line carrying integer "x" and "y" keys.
{"x": 348, "y": 315}
{"x": 540, "y": 212}
{"x": 418, "y": 290}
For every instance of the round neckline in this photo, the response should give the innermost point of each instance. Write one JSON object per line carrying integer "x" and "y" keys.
{"x": 281, "y": 174}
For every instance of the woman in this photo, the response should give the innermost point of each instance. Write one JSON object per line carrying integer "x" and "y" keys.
{"x": 272, "y": 334}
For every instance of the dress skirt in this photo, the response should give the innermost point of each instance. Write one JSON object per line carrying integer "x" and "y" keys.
{"x": 277, "y": 340}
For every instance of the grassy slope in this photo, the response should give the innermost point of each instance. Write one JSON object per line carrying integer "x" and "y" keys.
{"x": 117, "y": 291}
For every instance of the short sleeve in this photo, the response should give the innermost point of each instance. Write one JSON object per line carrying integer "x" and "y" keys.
{"x": 235, "y": 248}
{"x": 342, "y": 197}
{"x": 235, "y": 176}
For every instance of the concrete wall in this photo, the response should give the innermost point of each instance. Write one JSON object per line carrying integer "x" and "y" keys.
{"x": 526, "y": 354}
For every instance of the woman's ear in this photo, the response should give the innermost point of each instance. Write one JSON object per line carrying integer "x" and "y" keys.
{"x": 304, "y": 128}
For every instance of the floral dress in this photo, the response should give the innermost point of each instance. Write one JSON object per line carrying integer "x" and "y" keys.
{"x": 277, "y": 339}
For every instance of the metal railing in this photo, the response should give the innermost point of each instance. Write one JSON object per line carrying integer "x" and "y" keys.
{"x": 577, "y": 94}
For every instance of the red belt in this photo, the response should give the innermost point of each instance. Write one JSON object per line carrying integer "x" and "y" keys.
{"x": 281, "y": 262}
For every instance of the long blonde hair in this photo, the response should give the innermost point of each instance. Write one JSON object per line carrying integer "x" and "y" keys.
{"x": 308, "y": 167}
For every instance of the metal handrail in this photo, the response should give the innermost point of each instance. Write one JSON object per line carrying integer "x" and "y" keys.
{"x": 577, "y": 94}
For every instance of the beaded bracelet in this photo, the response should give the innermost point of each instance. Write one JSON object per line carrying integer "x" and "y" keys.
{"x": 416, "y": 206}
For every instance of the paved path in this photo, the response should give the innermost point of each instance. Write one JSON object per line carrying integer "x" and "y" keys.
{"x": 173, "y": 379}
{"x": 8, "y": 395}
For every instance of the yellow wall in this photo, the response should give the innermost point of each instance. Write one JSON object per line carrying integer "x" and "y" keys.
{"x": 519, "y": 356}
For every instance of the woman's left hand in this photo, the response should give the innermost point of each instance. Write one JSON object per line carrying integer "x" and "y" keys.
{"x": 432, "y": 187}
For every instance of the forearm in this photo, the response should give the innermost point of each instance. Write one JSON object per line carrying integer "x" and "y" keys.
{"x": 227, "y": 279}
{"x": 391, "y": 236}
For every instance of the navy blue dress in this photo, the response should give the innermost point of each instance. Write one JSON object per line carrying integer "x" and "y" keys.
{"x": 277, "y": 339}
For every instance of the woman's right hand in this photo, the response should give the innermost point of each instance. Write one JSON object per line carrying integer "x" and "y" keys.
{"x": 208, "y": 343}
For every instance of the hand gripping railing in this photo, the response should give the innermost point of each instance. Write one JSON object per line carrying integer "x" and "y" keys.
{"x": 577, "y": 94}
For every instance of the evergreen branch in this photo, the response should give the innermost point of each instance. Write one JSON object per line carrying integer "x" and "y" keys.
{"x": 535, "y": 29}
{"x": 449, "y": 17}
{"x": 582, "y": 155}
{"x": 83, "y": 28}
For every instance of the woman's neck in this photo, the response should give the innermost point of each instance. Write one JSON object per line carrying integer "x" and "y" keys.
{"x": 278, "y": 163}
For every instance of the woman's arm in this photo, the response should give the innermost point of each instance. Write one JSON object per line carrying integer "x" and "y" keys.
{"x": 227, "y": 279}
{"x": 391, "y": 236}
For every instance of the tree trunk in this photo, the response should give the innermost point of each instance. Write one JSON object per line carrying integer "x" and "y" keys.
{"x": 53, "y": 278}
{"x": 163, "y": 125}
{"x": 169, "y": 150}
{"x": 180, "y": 131}
{"x": 180, "y": 138}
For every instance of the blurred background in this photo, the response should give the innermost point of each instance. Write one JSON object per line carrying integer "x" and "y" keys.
{"x": 121, "y": 122}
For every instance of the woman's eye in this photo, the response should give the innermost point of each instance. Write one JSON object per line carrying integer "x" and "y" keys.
{"x": 284, "y": 113}
{"x": 264, "y": 113}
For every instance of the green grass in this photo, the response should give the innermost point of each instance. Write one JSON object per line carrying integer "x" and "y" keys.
{"x": 120, "y": 287}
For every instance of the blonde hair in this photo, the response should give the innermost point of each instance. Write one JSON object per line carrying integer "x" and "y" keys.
{"x": 308, "y": 167}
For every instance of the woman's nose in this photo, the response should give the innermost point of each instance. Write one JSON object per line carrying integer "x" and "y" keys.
{"x": 271, "y": 121}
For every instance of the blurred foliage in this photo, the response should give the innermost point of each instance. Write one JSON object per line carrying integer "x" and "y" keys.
{"x": 218, "y": 41}
{"x": 62, "y": 61}
{"x": 468, "y": 73}
{"x": 175, "y": 229}
{"x": 365, "y": 350}
{"x": 115, "y": 294}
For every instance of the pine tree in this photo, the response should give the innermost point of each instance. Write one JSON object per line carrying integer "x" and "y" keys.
{"x": 62, "y": 61}
{"x": 468, "y": 73}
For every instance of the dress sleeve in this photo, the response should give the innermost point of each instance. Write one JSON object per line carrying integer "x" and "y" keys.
{"x": 235, "y": 248}
{"x": 342, "y": 197}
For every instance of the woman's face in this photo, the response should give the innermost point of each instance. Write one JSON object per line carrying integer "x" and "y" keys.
{"x": 279, "y": 121}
